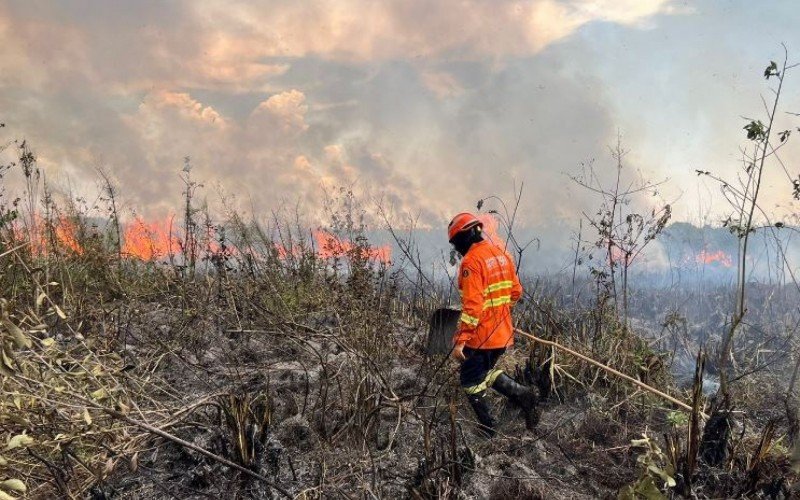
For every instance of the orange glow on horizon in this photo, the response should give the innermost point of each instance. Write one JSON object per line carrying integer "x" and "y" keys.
{"x": 157, "y": 240}
{"x": 330, "y": 246}
{"x": 718, "y": 257}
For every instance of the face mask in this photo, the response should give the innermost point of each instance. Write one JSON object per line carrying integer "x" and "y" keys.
{"x": 464, "y": 240}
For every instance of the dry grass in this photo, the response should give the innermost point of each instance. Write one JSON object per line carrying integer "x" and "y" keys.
{"x": 304, "y": 371}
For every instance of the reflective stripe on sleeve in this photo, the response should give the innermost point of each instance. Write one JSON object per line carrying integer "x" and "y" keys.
{"x": 500, "y": 285}
{"x": 470, "y": 320}
{"x": 497, "y": 301}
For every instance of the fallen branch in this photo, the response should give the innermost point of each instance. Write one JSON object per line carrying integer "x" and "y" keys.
{"x": 638, "y": 383}
{"x": 12, "y": 250}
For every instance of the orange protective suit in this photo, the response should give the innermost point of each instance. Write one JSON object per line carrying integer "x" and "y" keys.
{"x": 489, "y": 288}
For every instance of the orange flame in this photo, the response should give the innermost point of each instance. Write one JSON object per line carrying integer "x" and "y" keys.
{"x": 156, "y": 240}
{"x": 284, "y": 252}
{"x": 64, "y": 235}
{"x": 149, "y": 240}
{"x": 718, "y": 257}
{"x": 330, "y": 246}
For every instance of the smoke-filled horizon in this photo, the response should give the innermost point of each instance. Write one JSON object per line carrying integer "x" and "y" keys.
{"x": 682, "y": 255}
{"x": 425, "y": 107}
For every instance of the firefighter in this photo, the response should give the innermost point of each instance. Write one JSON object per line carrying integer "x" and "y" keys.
{"x": 489, "y": 288}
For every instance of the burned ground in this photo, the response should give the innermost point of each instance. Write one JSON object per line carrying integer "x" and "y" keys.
{"x": 267, "y": 370}
{"x": 320, "y": 441}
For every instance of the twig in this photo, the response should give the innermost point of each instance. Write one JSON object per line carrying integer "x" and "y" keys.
{"x": 12, "y": 250}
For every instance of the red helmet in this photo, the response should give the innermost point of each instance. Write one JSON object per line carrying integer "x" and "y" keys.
{"x": 461, "y": 222}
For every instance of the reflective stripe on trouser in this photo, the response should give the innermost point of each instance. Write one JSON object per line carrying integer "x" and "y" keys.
{"x": 479, "y": 363}
{"x": 487, "y": 382}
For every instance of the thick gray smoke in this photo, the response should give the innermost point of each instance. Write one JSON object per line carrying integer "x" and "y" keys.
{"x": 425, "y": 107}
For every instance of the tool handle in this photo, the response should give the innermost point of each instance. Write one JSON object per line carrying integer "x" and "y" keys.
{"x": 610, "y": 370}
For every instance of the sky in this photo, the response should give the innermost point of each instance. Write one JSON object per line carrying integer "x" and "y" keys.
{"x": 419, "y": 107}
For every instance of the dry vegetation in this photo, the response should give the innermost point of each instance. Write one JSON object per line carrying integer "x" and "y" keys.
{"x": 248, "y": 362}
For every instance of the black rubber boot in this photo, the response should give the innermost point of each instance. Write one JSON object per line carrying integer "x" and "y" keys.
{"x": 481, "y": 408}
{"x": 521, "y": 396}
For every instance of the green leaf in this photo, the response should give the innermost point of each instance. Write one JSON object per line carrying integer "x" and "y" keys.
{"x": 20, "y": 339}
{"x": 626, "y": 493}
{"x": 59, "y": 312}
{"x": 677, "y": 418}
{"x": 648, "y": 489}
{"x": 19, "y": 441}
{"x": 772, "y": 70}
{"x": 99, "y": 394}
{"x": 6, "y": 362}
{"x": 756, "y": 130}
{"x": 13, "y": 485}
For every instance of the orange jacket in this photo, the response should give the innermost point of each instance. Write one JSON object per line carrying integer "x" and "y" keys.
{"x": 489, "y": 288}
